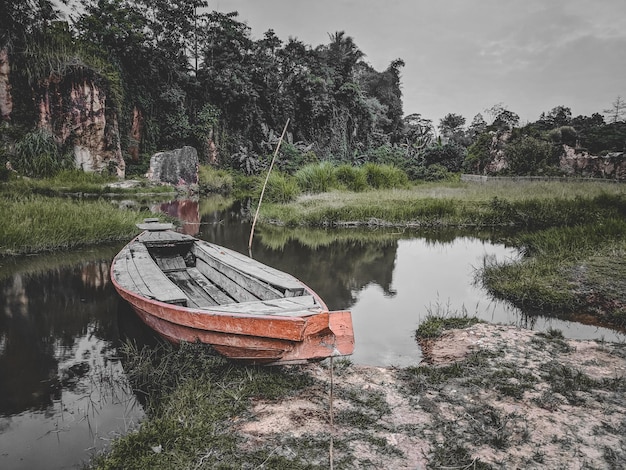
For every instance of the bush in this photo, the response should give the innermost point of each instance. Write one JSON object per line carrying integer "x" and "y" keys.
{"x": 281, "y": 188}
{"x": 385, "y": 176}
{"x": 450, "y": 156}
{"x": 291, "y": 158}
{"x": 38, "y": 155}
{"x": 316, "y": 178}
{"x": 530, "y": 156}
{"x": 211, "y": 180}
{"x": 351, "y": 177}
{"x": 435, "y": 172}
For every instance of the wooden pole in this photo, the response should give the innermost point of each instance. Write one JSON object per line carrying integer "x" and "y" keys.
{"x": 264, "y": 185}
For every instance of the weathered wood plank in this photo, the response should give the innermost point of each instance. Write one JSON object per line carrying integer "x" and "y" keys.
{"x": 198, "y": 298}
{"x": 259, "y": 288}
{"x": 219, "y": 297}
{"x": 170, "y": 263}
{"x": 228, "y": 285}
{"x": 157, "y": 283}
{"x": 305, "y": 305}
{"x": 250, "y": 266}
{"x": 122, "y": 273}
{"x": 166, "y": 237}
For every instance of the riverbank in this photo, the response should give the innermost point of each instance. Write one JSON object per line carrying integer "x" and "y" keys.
{"x": 489, "y": 396}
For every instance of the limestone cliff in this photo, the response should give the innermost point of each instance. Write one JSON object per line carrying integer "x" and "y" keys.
{"x": 581, "y": 163}
{"x": 74, "y": 109}
{"x": 6, "y": 101}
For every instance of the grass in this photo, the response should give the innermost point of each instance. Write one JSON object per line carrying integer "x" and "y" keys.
{"x": 36, "y": 223}
{"x": 76, "y": 182}
{"x": 193, "y": 399}
{"x": 579, "y": 268}
{"x": 530, "y": 205}
{"x": 212, "y": 180}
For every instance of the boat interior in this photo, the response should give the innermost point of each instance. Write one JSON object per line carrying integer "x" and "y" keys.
{"x": 181, "y": 270}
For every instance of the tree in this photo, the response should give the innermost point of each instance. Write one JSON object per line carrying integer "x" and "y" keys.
{"x": 617, "y": 111}
{"x": 451, "y": 128}
{"x": 477, "y": 127}
{"x": 502, "y": 118}
{"x": 417, "y": 134}
{"x": 530, "y": 156}
{"x": 558, "y": 116}
{"x": 22, "y": 19}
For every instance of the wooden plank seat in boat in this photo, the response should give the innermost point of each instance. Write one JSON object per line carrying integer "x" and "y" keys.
{"x": 261, "y": 280}
{"x": 289, "y": 306}
{"x": 149, "y": 279}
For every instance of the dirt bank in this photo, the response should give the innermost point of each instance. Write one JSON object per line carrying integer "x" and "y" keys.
{"x": 489, "y": 397}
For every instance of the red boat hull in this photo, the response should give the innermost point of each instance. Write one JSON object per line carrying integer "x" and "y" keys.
{"x": 250, "y": 338}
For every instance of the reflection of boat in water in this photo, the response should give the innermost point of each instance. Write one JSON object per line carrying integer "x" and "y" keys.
{"x": 191, "y": 290}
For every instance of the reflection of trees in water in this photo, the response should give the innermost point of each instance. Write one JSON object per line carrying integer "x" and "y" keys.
{"x": 335, "y": 270}
{"x": 44, "y": 313}
{"x": 339, "y": 271}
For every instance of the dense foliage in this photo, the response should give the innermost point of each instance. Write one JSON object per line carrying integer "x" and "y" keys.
{"x": 198, "y": 77}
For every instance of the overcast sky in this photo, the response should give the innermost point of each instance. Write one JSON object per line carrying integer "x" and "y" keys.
{"x": 463, "y": 56}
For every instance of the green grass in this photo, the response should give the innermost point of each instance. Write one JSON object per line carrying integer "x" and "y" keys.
{"x": 566, "y": 269}
{"x": 76, "y": 182}
{"x": 521, "y": 205}
{"x": 36, "y": 223}
{"x": 194, "y": 399}
{"x": 212, "y": 180}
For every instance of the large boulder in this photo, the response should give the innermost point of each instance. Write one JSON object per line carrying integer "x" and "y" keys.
{"x": 177, "y": 167}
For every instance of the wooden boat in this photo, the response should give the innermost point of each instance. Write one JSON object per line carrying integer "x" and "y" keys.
{"x": 191, "y": 290}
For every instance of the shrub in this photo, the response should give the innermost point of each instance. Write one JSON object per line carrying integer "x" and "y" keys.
{"x": 353, "y": 178}
{"x": 530, "y": 156}
{"x": 292, "y": 157}
{"x": 385, "y": 176}
{"x": 211, "y": 180}
{"x": 316, "y": 178}
{"x": 38, "y": 155}
{"x": 281, "y": 188}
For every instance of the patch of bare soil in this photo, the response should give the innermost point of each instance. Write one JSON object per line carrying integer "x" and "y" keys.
{"x": 489, "y": 397}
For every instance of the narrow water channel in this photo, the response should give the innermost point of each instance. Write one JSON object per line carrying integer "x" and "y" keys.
{"x": 63, "y": 392}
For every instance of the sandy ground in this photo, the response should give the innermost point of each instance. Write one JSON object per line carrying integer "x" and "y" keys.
{"x": 489, "y": 397}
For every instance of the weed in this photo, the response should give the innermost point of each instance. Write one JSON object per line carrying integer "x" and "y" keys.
{"x": 192, "y": 398}
{"x": 450, "y": 454}
{"x": 280, "y": 188}
{"x": 316, "y": 178}
{"x": 353, "y": 178}
{"x": 212, "y": 180}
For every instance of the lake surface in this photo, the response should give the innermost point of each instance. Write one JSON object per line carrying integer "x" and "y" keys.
{"x": 63, "y": 392}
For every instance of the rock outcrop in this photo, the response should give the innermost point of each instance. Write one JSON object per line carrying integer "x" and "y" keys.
{"x": 176, "y": 167}
{"x": 581, "y": 163}
{"x": 74, "y": 109}
{"x": 6, "y": 100}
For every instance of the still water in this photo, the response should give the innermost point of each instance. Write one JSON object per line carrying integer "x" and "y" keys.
{"x": 63, "y": 392}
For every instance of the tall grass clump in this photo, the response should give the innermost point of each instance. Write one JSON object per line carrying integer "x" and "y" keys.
{"x": 280, "y": 188}
{"x": 316, "y": 178}
{"x": 353, "y": 178}
{"x": 38, "y": 155}
{"x": 385, "y": 176}
{"x": 212, "y": 180}
{"x": 34, "y": 224}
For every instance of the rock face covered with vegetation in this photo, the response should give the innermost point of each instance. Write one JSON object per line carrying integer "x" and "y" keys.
{"x": 74, "y": 110}
{"x": 127, "y": 78}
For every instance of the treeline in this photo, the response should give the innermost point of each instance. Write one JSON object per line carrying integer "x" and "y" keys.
{"x": 198, "y": 78}
{"x": 178, "y": 74}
